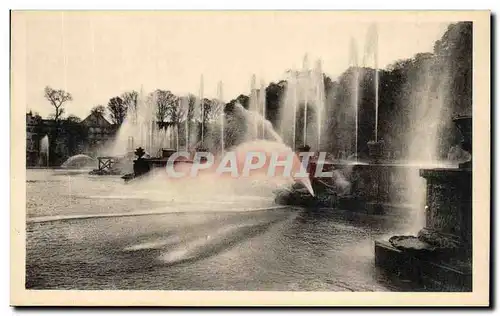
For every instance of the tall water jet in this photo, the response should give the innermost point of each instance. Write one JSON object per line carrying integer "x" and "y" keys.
{"x": 44, "y": 149}
{"x": 239, "y": 126}
{"x": 130, "y": 144}
{"x": 202, "y": 110}
{"x": 153, "y": 126}
{"x": 371, "y": 51}
{"x": 220, "y": 99}
{"x": 140, "y": 107}
{"x": 288, "y": 110}
{"x": 432, "y": 105}
{"x": 262, "y": 105}
{"x": 304, "y": 88}
{"x": 193, "y": 121}
{"x": 438, "y": 247}
{"x": 428, "y": 101}
{"x": 185, "y": 110}
{"x": 171, "y": 135}
{"x": 179, "y": 104}
{"x": 305, "y": 84}
{"x": 353, "y": 62}
{"x": 254, "y": 102}
{"x": 139, "y": 127}
{"x": 320, "y": 100}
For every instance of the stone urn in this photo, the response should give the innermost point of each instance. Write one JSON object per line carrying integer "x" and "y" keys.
{"x": 464, "y": 125}
{"x": 376, "y": 150}
{"x": 139, "y": 152}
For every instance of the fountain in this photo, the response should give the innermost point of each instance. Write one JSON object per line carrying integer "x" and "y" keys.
{"x": 379, "y": 186}
{"x": 288, "y": 111}
{"x": 305, "y": 88}
{"x": 375, "y": 147}
{"x": 229, "y": 128}
{"x": 222, "y": 107}
{"x": 262, "y": 107}
{"x": 373, "y": 187}
{"x": 355, "y": 95}
{"x": 257, "y": 105}
{"x": 44, "y": 151}
{"x": 254, "y": 103}
{"x": 237, "y": 125}
{"x": 320, "y": 100}
{"x": 79, "y": 161}
{"x": 140, "y": 128}
{"x": 441, "y": 253}
{"x": 184, "y": 104}
{"x": 201, "y": 106}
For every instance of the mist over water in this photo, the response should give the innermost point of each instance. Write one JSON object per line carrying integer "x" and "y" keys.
{"x": 79, "y": 161}
{"x": 429, "y": 88}
{"x": 222, "y": 232}
{"x": 44, "y": 150}
{"x": 303, "y": 119}
{"x": 302, "y": 112}
{"x": 240, "y": 126}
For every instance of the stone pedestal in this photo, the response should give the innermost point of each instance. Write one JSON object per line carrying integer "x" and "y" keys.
{"x": 449, "y": 209}
{"x": 442, "y": 252}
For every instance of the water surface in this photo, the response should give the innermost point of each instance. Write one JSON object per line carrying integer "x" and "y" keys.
{"x": 191, "y": 244}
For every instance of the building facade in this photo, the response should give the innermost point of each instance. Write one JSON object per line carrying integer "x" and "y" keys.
{"x": 65, "y": 138}
{"x": 100, "y": 132}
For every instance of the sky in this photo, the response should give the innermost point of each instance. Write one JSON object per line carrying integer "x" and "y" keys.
{"x": 98, "y": 55}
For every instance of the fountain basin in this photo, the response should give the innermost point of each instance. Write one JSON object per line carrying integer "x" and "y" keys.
{"x": 440, "y": 273}
{"x": 447, "y": 231}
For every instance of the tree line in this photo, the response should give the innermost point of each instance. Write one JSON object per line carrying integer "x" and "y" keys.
{"x": 404, "y": 87}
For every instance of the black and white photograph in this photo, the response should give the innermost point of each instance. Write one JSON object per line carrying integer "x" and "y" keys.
{"x": 264, "y": 151}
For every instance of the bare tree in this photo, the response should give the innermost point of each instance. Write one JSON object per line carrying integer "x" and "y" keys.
{"x": 57, "y": 98}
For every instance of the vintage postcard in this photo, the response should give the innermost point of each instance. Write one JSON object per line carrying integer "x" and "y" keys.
{"x": 233, "y": 158}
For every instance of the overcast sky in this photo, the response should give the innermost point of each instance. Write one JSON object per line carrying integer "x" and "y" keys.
{"x": 98, "y": 55}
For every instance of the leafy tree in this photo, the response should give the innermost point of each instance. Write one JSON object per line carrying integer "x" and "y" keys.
{"x": 117, "y": 108}
{"x": 164, "y": 102}
{"x": 274, "y": 94}
{"x": 130, "y": 99}
{"x": 212, "y": 109}
{"x": 98, "y": 110}
{"x": 73, "y": 119}
{"x": 74, "y": 134}
{"x": 191, "y": 99}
